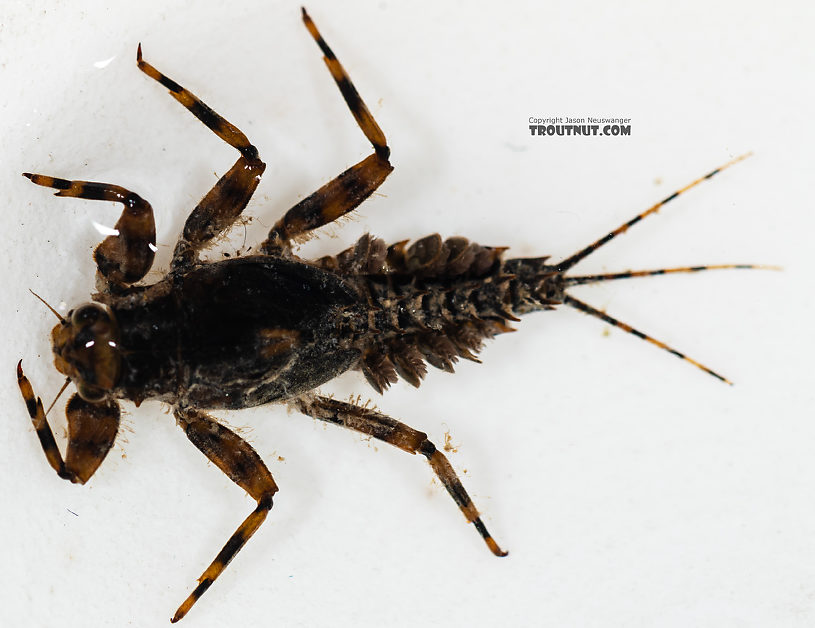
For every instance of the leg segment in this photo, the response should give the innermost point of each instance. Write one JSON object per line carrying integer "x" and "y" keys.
{"x": 92, "y": 429}
{"x": 125, "y": 256}
{"x": 224, "y": 202}
{"x": 229, "y": 133}
{"x": 349, "y": 189}
{"x": 399, "y": 435}
{"x": 335, "y": 199}
{"x": 236, "y": 458}
{"x": 358, "y": 109}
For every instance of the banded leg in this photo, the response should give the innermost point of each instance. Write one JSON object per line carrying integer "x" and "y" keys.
{"x": 399, "y": 435}
{"x": 92, "y": 429}
{"x": 236, "y": 458}
{"x": 230, "y": 195}
{"x": 344, "y": 193}
{"x": 126, "y": 255}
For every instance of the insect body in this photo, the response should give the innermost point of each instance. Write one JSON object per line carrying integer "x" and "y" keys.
{"x": 272, "y": 327}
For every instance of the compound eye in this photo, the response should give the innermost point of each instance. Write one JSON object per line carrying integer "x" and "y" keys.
{"x": 88, "y": 314}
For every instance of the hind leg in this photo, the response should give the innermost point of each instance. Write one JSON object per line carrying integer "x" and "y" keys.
{"x": 402, "y": 436}
{"x": 344, "y": 193}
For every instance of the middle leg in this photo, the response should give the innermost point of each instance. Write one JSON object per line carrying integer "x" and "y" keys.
{"x": 223, "y": 203}
{"x": 402, "y": 436}
{"x": 235, "y": 457}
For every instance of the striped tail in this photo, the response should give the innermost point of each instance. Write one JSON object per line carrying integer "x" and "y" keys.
{"x": 561, "y": 283}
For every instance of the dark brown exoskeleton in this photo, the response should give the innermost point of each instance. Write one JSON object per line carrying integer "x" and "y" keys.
{"x": 271, "y": 327}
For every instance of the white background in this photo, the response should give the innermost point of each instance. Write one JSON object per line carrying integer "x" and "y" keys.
{"x": 630, "y": 488}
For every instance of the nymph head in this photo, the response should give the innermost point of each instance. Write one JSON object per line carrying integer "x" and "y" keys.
{"x": 86, "y": 349}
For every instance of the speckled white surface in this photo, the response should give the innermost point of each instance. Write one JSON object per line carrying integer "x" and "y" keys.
{"x": 630, "y": 489}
